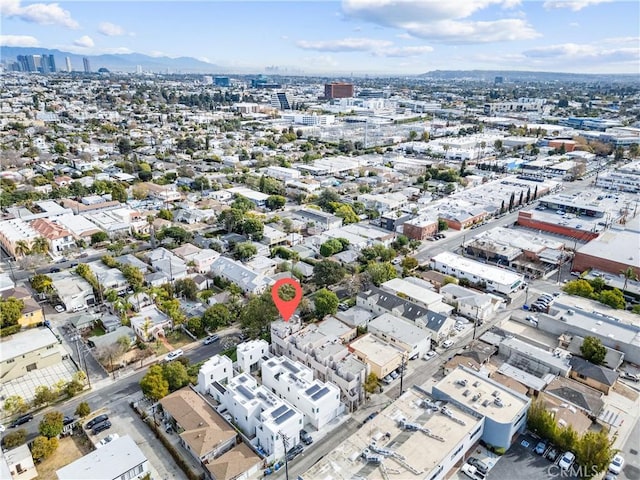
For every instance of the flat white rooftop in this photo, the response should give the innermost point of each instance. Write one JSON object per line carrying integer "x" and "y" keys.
{"x": 480, "y": 270}
{"x": 25, "y": 342}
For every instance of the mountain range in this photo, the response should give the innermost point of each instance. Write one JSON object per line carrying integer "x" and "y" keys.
{"x": 117, "y": 62}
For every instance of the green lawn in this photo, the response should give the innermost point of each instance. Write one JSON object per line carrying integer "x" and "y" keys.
{"x": 178, "y": 338}
{"x": 97, "y": 331}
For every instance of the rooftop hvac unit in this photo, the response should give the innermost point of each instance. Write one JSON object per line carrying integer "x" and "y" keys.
{"x": 498, "y": 402}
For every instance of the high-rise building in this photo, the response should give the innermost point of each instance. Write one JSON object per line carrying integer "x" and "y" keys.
{"x": 68, "y": 59}
{"x": 338, "y": 90}
{"x": 48, "y": 63}
{"x": 139, "y": 69}
{"x": 87, "y": 65}
{"x": 221, "y": 81}
{"x": 281, "y": 101}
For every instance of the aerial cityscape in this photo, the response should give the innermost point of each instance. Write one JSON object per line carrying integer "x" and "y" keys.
{"x": 386, "y": 240}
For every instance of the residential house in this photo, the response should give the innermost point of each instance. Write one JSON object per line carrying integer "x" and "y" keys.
{"x": 32, "y": 313}
{"x": 150, "y": 323}
{"x": 202, "y": 431}
{"x": 245, "y": 278}
{"x": 218, "y": 368}
{"x": 250, "y": 354}
{"x": 413, "y": 340}
{"x": 470, "y": 303}
{"x": 166, "y": 262}
{"x": 119, "y": 459}
{"x": 74, "y": 292}
{"x": 59, "y": 238}
{"x": 239, "y": 463}
{"x": 595, "y": 376}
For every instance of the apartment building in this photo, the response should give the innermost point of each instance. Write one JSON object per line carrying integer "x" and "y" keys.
{"x": 29, "y": 350}
{"x": 292, "y": 381}
{"x": 250, "y": 354}
{"x": 413, "y": 340}
{"x": 59, "y": 238}
{"x": 245, "y": 278}
{"x": 218, "y": 368}
{"x": 382, "y": 357}
{"x": 14, "y": 234}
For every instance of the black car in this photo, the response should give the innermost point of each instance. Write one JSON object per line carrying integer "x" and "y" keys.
{"x": 100, "y": 427}
{"x": 21, "y": 420}
{"x": 305, "y": 437}
{"x": 294, "y": 452}
{"x": 67, "y": 420}
{"x": 479, "y": 464}
{"x": 95, "y": 421}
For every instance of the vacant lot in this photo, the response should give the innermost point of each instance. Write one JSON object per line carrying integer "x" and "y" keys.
{"x": 69, "y": 449}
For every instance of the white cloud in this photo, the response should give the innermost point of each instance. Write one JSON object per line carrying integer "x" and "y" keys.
{"x": 575, "y": 5}
{"x": 413, "y": 51}
{"x": 111, "y": 29}
{"x": 40, "y": 13}
{"x": 84, "y": 41}
{"x": 18, "y": 41}
{"x": 443, "y": 21}
{"x": 601, "y": 52}
{"x": 344, "y": 45}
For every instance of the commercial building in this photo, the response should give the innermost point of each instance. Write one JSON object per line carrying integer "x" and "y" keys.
{"x": 86, "y": 64}
{"x": 420, "y": 228}
{"x": 119, "y": 459}
{"x": 504, "y": 410}
{"x": 282, "y": 173}
{"x": 259, "y": 199}
{"x": 413, "y": 340}
{"x": 382, "y": 357}
{"x": 495, "y": 279}
{"x": 292, "y": 381}
{"x": 338, "y": 90}
{"x": 407, "y": 440}
{"x": 27, "y": 351}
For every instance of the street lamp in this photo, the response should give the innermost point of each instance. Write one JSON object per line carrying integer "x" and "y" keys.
{"x": 285, "y": 444}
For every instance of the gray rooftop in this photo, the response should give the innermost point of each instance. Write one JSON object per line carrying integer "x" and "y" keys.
{"x": 25, "y": 342}
{"x": 398, "y": 328}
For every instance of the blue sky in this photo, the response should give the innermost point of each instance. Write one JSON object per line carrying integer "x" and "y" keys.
{"x": 348, "y": 36}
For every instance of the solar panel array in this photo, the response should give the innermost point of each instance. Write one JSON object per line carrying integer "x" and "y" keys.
{"x": 287, "y": 415}
{"x": 245, "y": 392}
{"x": 279, "y": 411}
{"x": 290, "y": 367}
{"x": 320, "y": 394}
{"x": 312, "y": 389}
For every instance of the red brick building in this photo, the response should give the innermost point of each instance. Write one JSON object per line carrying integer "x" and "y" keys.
{"x": 338, "y": 90}
{"x": 526, "y": 220}
{"x": 420, "y": 228}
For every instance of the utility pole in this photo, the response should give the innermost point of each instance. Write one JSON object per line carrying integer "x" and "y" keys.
{"x": 285, "y": 444}
{"x": 402, "y": 365}
{"x": 475, "y": 322}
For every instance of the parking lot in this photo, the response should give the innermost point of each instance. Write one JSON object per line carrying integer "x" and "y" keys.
{"x": 124, "y": 421}
{"x": 522, "y": 463}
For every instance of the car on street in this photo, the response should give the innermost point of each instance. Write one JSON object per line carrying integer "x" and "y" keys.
{"x": 173, "y": 355}
{"x": 429, "y": 355}
{"x": 59, "y": 308}
{"x": 21, "y": 420}
{"x": 96, "y": 420}
{"x": 630, "y": 376}
{"x": 388, "y": 379}
{"x": 101, "y": 427}
{"x": 211, "y": 338}
{"x": 447, "y": 343}
{"x": 294, "y": 451}
{"x": 305, "y": 437}
{"x": 67, "y": 420}
{"x": 2, "y": 428}
{"x": 566, "y": 460}
{"x": 616, "y": 464}
{"x": 394, "y": 375}
{"x": 540, "y": 448}
{"x": 479, "y": 464}
{"x": 370, "y": 417}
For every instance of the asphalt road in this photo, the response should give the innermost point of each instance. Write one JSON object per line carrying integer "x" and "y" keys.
{"x": 120, "y": 390}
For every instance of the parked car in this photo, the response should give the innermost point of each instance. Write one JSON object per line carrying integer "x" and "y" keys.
{"x": 540, "y": 448}
{"x": 94, "y": 421}
{"x": 616, "y": 464}
{"x": 429, "y": 355}
{"x": 101, "y": 427}
{"x": 630, "y": 376}
{"x": 107, "y": 439}
{"x": 211, "y": 339}
{"x": 566, "y": 460}
{"x": 394, "y": 375}
{"x": 472, "y": 472}
{"x": 173, "y": 355}
{"x": 59, "y": 308}
{"x": 552, "y": 454}
{"x": 479, "y": 464}
{"x": 21, "y": 420}
{"x": 294, "y": 451}
{"x": 370, "y": 417}
{"x": 305, "y": 437}
{"x": 447, "y": 343}
{"x": 67, "y": 420}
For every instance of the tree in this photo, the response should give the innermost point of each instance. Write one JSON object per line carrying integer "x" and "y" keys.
{"x": 330, "y": 247}
{"x": 186, "y": 288}
{"x": 593, "y": 451}
{"x": 409, "y": 263}
{"x": 371, "y": 383}
{"x": 253, "y": 228}
{"x": 40, "y": 245}
{"x": 381, "y": 272}
{"x": 566, "y": 438}
{"x": 15, "y": 405}
{"x": 43, "y": 447}
{"x": 175, "y": 373}
{"x": 629, "y": 273}
{"x": 541, "y": 421}
{"x": 14, "y": 439}
{"x": 195, "y": 326}
{"x": 41, "y": 283}
{"x": 442, "y": 225}
{"x": 216, "y": 316}
{"x": 326, "y": 303}
{"x": 242, "y": 203}
{"x": 60, "y": 148}
{"x": 327, "y": 272}
{"x": 275, "y": 202}
{"x": 153, "y": 384}
{"x": 165, "y": 214}
{"x": 327, "y": 197}
{"x": 22, "y": 248}
{"x": 231, "y": 219}
{"x": 498, "y": 145}
{"x": 51, "y": 424}
{"x": 124, "y": 146}
{"x": 201, "y": 183}
{"x": 257, "y": 315}
{"x": 99, "y": 237}
{"x": 43, "y": 396}
{"x": 134, "y": 277}
{"x": 83, "y": 409}
{"x": 593, "y": 350}
{"x": 119, "y": 192}
{"x": 10, "y": 311}
{"x": 613, "y": 298}
{"x": 580, "y": 287}
{"x": 244, "y": 251}
{"x": 347, "y": 214}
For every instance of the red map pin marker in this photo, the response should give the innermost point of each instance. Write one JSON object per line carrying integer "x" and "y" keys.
{"x": 286, "y": 307}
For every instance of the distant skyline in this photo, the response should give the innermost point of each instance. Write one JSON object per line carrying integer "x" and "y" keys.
{"x": 351, "y": 36}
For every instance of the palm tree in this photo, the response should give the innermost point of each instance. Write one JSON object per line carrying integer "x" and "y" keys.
{"x": 629, "y": 274}
{"x": 40, "y": 245}
{"x": 22, "y": 248}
